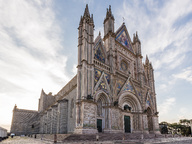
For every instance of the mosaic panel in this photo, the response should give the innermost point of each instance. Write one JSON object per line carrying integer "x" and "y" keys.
{"x": 123, "y": 39}
{"x": 123, "y": 65}
{"x": 138, "y": 91}
{"x": 102, "y": 86}
{"x": 99, "y": 54}
{"x": 148, "y": 103}
{"x": 120, "y": 84}
{"x": 97, "y": 75}
{"x": 129, "y": 87}
{"x": 107, "y": 76}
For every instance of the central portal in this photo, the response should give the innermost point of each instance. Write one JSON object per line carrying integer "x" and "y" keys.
{"x": 127, "y": 124}
{"x": 99, "y": 125}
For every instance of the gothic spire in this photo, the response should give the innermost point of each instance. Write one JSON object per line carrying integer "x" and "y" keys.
{"x": 109, "y": 14}
{"x": 86, "y": 13}
{"x": 91, "y": 20}
{"x": 146, "y": 60}
{"x": 81, "y": 21}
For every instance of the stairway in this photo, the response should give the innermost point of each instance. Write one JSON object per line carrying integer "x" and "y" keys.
{"x": 110, "y": 137}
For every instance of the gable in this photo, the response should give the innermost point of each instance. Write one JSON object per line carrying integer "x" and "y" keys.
{"x": 99, "y": 54}
{"x": 122, "y": 37}
{"x": 148, "y": 100}
{"x": 128, "y": 86}
{"x": 102, "y": 86}
{"x": 120, "y": 84}
{"x": 103, "y": 83}
{"x": 98, "y": 74}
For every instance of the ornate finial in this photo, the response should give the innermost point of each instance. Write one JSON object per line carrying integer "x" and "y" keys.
{"x": 109, "y": 13}
{"x": 146, "y": 60}
{"x": 91, "y": 18}
{"x": 86, "y": 13}
{"x": 81, "y": 21}
{"x": 99, "y": 33}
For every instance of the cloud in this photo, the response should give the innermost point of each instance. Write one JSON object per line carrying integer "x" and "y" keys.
{"x": 156, "y": 24}
{"x": 184, "y": 113}
{"x": 30, "y": 58}
{"x": 186, "y": 74}
{"x": 165, "y": 107}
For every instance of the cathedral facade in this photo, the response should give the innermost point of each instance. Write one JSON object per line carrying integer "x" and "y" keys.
{"x": 113, "y": 91}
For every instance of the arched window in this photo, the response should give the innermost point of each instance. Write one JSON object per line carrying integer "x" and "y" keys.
{"x": 72, "y": 108}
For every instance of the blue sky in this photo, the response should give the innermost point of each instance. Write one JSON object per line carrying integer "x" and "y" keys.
{"x": 38, "y": 48}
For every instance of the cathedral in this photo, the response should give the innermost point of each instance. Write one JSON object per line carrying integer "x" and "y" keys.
{"x": 112, "y": 92}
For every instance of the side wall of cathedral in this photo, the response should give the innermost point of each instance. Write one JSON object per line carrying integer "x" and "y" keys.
{"x": 22, "y": 121}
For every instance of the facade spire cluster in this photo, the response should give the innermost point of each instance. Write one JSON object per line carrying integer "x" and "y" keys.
{"x": 86, "y": 17}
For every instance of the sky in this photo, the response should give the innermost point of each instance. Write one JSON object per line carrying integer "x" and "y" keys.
{"x": 38, "y": 48}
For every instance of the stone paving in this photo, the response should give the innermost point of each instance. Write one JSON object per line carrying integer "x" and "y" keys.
{"x": 28, "y": 140}
{"x": 24, "y": 140}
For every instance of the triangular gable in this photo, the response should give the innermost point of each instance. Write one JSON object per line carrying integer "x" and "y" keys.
{"x": 98, "y": 74}
{"x": 99, "y": 51}
{"x": 148, "y": 100}
{"x": 123, "y": 38}
{"x": 102, "y": 84}
{"x": 128, "y": 86}
{"x": 120, "y": 84}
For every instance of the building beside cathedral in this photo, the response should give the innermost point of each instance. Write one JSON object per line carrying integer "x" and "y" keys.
{"x": 113, "y": 91}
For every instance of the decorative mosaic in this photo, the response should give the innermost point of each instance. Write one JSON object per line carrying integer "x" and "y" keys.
{"x": 123, "y": 39}
{"x": 107, "y": 76}
{"x": 138, "y": 91}
{"x": 129, "y": 87}
{"x": 102, "y": 86}
{"x": 99, "y": 55}
{"x": 148, "y": 103}
{"x": 120, "y": 84}
{"x": 123, "y": 65}
{"x": 97, "y": 75}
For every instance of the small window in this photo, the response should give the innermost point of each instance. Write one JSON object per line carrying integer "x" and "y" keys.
{"x": 126, "y": 107}
{"x": 32, "y": 126}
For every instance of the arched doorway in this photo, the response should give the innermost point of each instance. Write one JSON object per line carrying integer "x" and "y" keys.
{"x": 149, "y": 119}
{"x": 132, "y": 107}
{"x": 102, "y": 112}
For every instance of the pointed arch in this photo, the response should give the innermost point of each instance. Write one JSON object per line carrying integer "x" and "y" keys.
{"x": 148, "y": 101}
{"x": 99, "y": 50}
{"x": 122, "y": 37}
{"x": 128, "y": 86}
{"x": 102, "y": 84}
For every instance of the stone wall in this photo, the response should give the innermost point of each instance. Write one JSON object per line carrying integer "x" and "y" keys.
{"x": 65, "y": 90}
{"x": 21, "y": 121}
{"x": 116, "y": 119}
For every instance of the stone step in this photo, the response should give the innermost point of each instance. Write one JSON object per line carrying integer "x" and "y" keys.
{"x": 109, "y": 136}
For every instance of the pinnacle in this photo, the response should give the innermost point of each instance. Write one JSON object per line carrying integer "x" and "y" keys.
{"x": 86, "y": 13}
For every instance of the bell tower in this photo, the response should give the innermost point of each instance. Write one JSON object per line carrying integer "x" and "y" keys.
{"x": 85, "y": 75}
{"x": 85, "y": 55}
